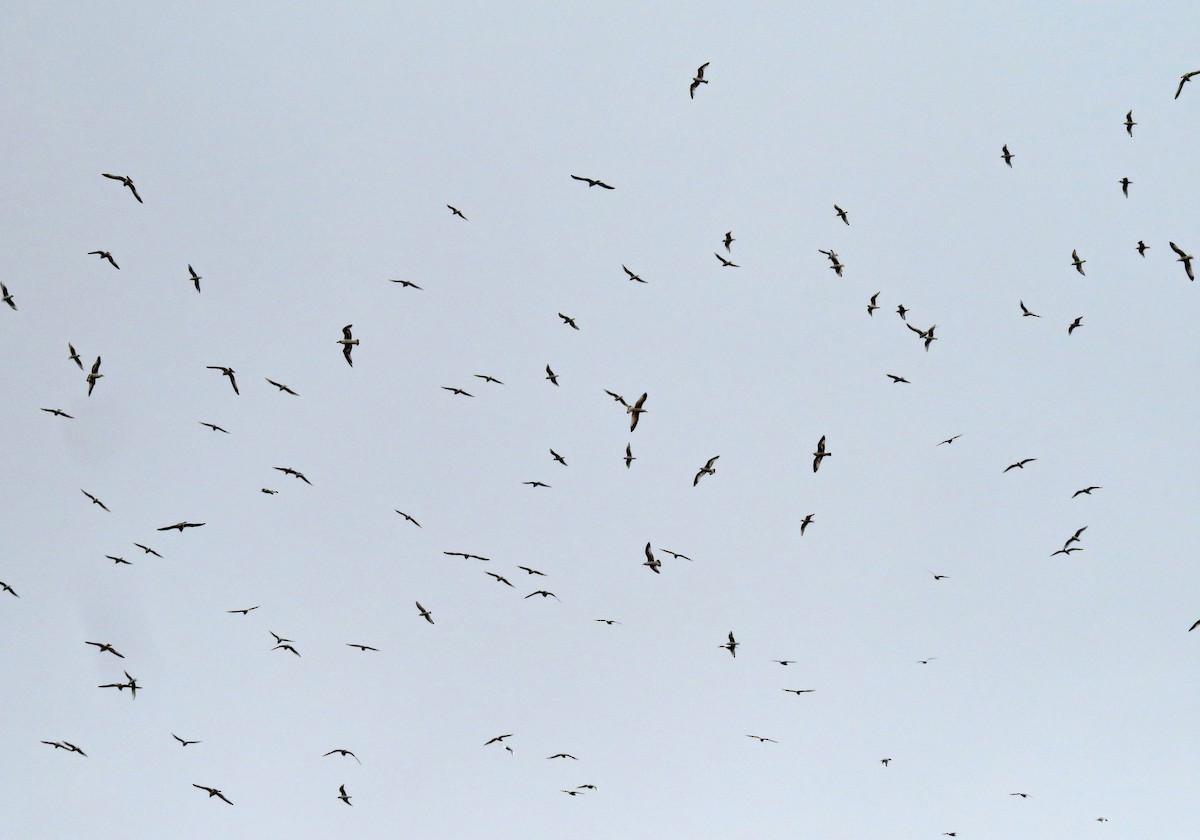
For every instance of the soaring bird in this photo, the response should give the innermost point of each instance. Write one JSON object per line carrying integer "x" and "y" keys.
{"x": 926, "y": 661}
{"x": 118, "y": 561}
{"x": 58, "y": 412}
{"x": 610, "y": 622}
{"x": 707, "y": 469}
{"x": 872, "y": 306}
{"x": 569, "y": 321}
{"x": 500, "y": 579}
{"x": 820, "y": 453}
{"x": 1186, "y": 259}
{"x": 676, "y": 554}
{"x": 950, "y": 439}
{"x": 73, "y": 356}
{"x": 841, "y": 214}
{"x": 784, "y": 661}
{"x": 65, "y": 745}
{"x": 348, "y": 343}
{"x": 245, "y": 611}
{"x": 652, "y": 562}
{"x": 1183, "y": 80}
{"x": 1078, "y": 263}
{"x": 731, "y": 645}
{"x": 936, "y": 576}
{"x": 459, "y": 392}
{"x": 456, "y": 212}
{"x": 94, "y": 375}
{"x": 296, "y": 473}
{"x": 105, "y": 255}
{"x": 724, "y": 262}
{"x": 728, "y": 240}
{"x": 95, "y": 501}
{"x": 1078, "y": 322}
{"x": 1190, "y": 629}
{"x": 8, "y": 298}
{"x": 127, "y": 182}
{"x": 407, "y": 284}
{"x": 226, "y": 371}
{"x": 1066, "y": 551}
{"x": 805, "y": 522}
{"x": 632, "y": 276}
{"x": 1142, "y": 248}
{"x": 594, "y": 182}
{"x": 1007, "y": 155}
{"x": 214, "y": 427}
{"x": 697, "y": 80}
{"x": 486, "y": 378}
{"x": 183, "y": 742}
{"x": 179, "y": 526}
{"x": 1023, "y": 795}
{"x": 269, "y": 491}
{"x": 105, "y": 647}
{"x": 885, "y": 761}
{"x": 1087, "y": 491}
{"x": 544, "y": 593}
{"x": 1125, "y": 182}
{"x": 898, "y": 379}
{"x": 4, "y": 587}
{"x": 409, "y": 518}
{"x": 498, "y": 739}
{"x": 537, "y": 484}
{"x": 1025, "y": 312}
{"x": 212, "y": 792}
{"x": 1075, "y": 537}
{"x": 1129, "y": 123}
{"x": 763, "y": 740}
{"x": 342, "y": 752}
{"x": 635, "y": 411}
{"x": 530, "y": 571}
{"x": 551, "y": 375}
{"x": 287, "y": 647}
{"x": 195, "y": 278}
{"x": 902, "y": 311}
{"x": 363, "y": 648}
{"x": 629, "y": 456}
{"x": 799, "y": 691}
{"x": 562, "y": 755}
{"x": 1019, "y": 464}
{"x": 425, "y": 614}
{"x": 834, "y": 263}
{"x": 558, "y": 457}
{"x": 283, "y": 388}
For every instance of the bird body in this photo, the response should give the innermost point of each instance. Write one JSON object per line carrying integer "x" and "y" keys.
{"x": 124, "y": 179}
{"x": 348, "y": 342}
{"x": 820, "y": 454}
{"x": 697, "y": 80}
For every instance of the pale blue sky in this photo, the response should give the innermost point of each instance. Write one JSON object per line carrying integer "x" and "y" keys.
{"x": 301, "y": 156}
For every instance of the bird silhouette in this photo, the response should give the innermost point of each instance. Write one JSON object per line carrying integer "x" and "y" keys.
{"x": 407, "y": 517}
{"x": 294, "y": 474}
{"x": 454, "y": 211}
{"x": 805, "y": 522}
{"x": 1078, "y": 322}
{"x": 348, "y": 343}
{"x": 105, "y": 255}
{"x": 1129, "y": 123}
{"x": 724, "y": 262}
{"x": 1183, "y": 80}
{"x": 629, "y": 456}
{"x": 1087, "y": 491}
{"x": 593, "y": 182}
{"x": 551, "y": 375}
{"x": 635, "y": 411}
{"x": 731, "y": 645}
{"x": 71, "y": 354}
{"x": 127, "y": 182}
{"x": 1142, "y": 248}
{"x": 841, "y": 214}
{"x": 425, "y": 614}
{"x": 283, "y": 388}
{"x": 820, "y": 454}
{"x": 96, "y": 501}
{"x": 179, "y": 526}
{"x": 633, "y": 277}
{"x": 697, "y": 80}
{"x": 214, "y": 427}
{"x": 183, "y": 742}
{"x": 363, "y": 648}
{"x": 569, "y": 321}
{"x": 58, "y": 412}
{"x": 1007, "y": 155}
{"x": 244, "y": 610}
{"x": 104, "y": 647}
{"x": 226, "y": 371}
{"x": 1019, "y": 464}
{"x": 1125, "y": 182}
{"x": 1025, "y": 313}
{"x": 12, "y": 304}
{"x": 94, "y": 375}
{"x": 652, "y": 562}
{"x": 1078, "y": 263}
{"x": 544, "y": 593}
{"x": 1186, "y": 259}
{"x": 195, "y": 278}
{"x": 342, "y": 752}
{"x": 212, "y": 792}
{"x": 707, "y": 469}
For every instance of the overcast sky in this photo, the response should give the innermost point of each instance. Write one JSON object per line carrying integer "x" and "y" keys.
{"x": 299, "y": 157}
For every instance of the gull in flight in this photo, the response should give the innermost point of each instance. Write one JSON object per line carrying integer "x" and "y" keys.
{"x": 1087, "y": 491}
{"x": 343, "y": 752}
{"x": 551, "y": 375}
{"x": 763, "y": 740}
{"x": 104, "y": 647}
{"x": 487, "y": 378}
{"x": 184, "y": 742}
{"x": 456, "y": 212}
{"x": 105, "y": 255}
{"x": 1078, "y": 322}
{"x": 724, "y": 262}
{"x": 1125, "y": 182}
{"x": 1183, "y": 80}
{"x": 58, "y": 412}
{"x": 1186, "y": 259}
{"x": 283, "y": 388}
{"x": 872, "y": 306}
{"x": 820, "y": 453}
{"x": 728, "y": 240}
{"x": 1025, "y": 313}
{"x": 214, "y": 427}
{"x": 629, "y": 457}
{"x": 1142, "y": 248}
{"x": 425, "y": 614}
{"x": 409, "y": 518}
{"x": 731, "y": 646}
{"x": 127, "y": 182}
{"x": 635, "y": 411}
{"x": 7, "y": 298}
{"x": 652, "y": 562}
{"x": 195, "y": 278}
{"x": 697, "y": 80}
{"x": 296, "y": 473}
{"x": 1078, "y": 263}
{"x": 569, "y": 321}
{"x": 1129, "y": 123}
{"x": 95, "y": 501}
{"x": 247, "y": 611}
{"x": 4, "y": 587}
{"x": 71, "y": 354}
{"x": 94, "y": 375}
{"x": 348, "y": 343}
{"x": 179, "y": 526}
{"x": 805, "y": 522}
{"x": 363, "y": 648}
{"x": 633, "y": 276}
{"x": 212, "y": 792}
{"x": 1019, "y": 464}
{"x": 707, "y": 469}
{"x": 226, "y": 371}
{"x": 407, "y": 284}
{"x": 593, "y": 182}
{"x": 841, "y": 214}
{"x": 1007, "y": 155}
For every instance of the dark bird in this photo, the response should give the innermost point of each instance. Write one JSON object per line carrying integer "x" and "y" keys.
{"x": 409, "y": 518}
{"x": 459, "y": 392}
{"x": 105, "y": 255}
{"x": 179, "y": 526}
{"x": 536, "y": 484}
{"x": 731, "y": 645}
{"x": 95, "y": 501}
{"x": 287, "y": 647}
{"x": 1066, "y": 551}
{"x": 569, "y": 321}
{"x": 1183, "y": 80}
{"x": 499, "y": 578}
{"x": 1087, "y": 491}
{"x": 1075, "y": 537}
{"x": 902, "y": 311}
{"x": 269, "y": 491}
{"x": 610, "y": 622}
{"x": 8, "y": 298}
{"x": 728, "y": 240}
{"x": 1186, "y": 259}
{"x": 1142, "y": 248}
{"x": 528, "y": 570}
{"x": 652, "y": 562}
{"x": 617, "y": 397}
{"x": 629, "y": 457}
{"x": 425, "y": 614}
{"x": 348, "y": 343}
{"x": 1026, "y": 795}
{"x": 784, "y": 661}
{"x": 545, "y": 594}
{"x": 456, "y": 212}
{"x": 551, "y": 375}
{"x": 1190, "y": 629}
{"x": 820, "y": 453}
{"x": 466, "y": 556}
{"x": 94, "y": 375}
{"x": 183, "y": 742}
{"x": 363, "y": 648}
{"x": 936, "y": 576}
{"x": 724, "y": 262}
{"x": 585, "y": 787}
{"x": 226, "y": 371}
{"x": 950, "y": 439}
{"x": 593, "y": 182}
{"x": 195, "y": 278}
{"x": 65, "y": 745}
{"x": 341, "y": 752}
{"x": 675, "y": 554}
{"x": 1125, "y": 182}
{"x": 805, "y": 522}
{"x": 558, "y": 457}
{"x": 58, "y": 412}
{"x": 697, "y": 80}
{"x": 799, "y": 691}
{"x": 872, "y": 306}
{"x": 147, "y": 550}
{"x": 571, "y": 792}
{"x": 635, "y": 411}
{"x": 296, "y": 473}
{"x": 1078, "y": 263}
{"x": 278, "y": 639}
{"x": 885, "y": 761}
{"x": 407, "y": 284}
{"x": 283, "y": 388}
{"x": 841, "y": 214}
{"x": 1078, "y": 322}
{"x": 1007, "y": 155}
{"x": 898, "y": 379}
{"x": 498, "y": 739}
{"x": 118, "y": 561}
{"x": 487, "y": 378}
{"x": 73, "y": 356}
{"x": 563, "y": 755}
{"x": 127, "y": 182}
{"x": 632, "y": 276}
{"x": 926, "y": 661}
{"x": 4, "y": 587}
{"x": 212, "y": 792}
{"x": 1019, "y": 464}
{"x": 104, "y": 647}
{"x": 1025, "y": 313}
{"x": 214, "y": 427}
{"x": 707, "y": 469}
{"x": 763, "y": 740}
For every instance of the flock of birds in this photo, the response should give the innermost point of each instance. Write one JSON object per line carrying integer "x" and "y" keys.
{"x": 635, "y": 409}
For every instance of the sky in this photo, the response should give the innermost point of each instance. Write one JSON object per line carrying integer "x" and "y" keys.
{"x": 301, "y": 156}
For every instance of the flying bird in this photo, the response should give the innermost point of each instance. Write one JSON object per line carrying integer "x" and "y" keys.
{"x": 95, "y": 501}
{"x": 763, "y": 740}
{"x": 707, "y": 469}
{"x": 569, "y": 321}
{"x": 872, "y": 306}
{"x": 127, "y": 182}
{"x": 245, "y": 611}
{"x": 562, "y": 755}
{"x": 459, "y": 392}
{"x": 499, "y": 578}
{"x": 593, "y": 182}
{"x": 610, "y": 622}
{"x": 4, "y": 587}
{"x": 530, "y": 571}
{"x": 407, "y": 284}
{"x": 179, "y": 526}
{"x": 94, "y": 375}
{"x": 105, "y": 255}
{"x": 118, "y": 561}
{"x": 632, "y": 276}
{"x": 898, "y": 379}
{"x": 1019, "y": 464}
{"x": 885, "y": 761}
{"x": 8, "y": 298}
{"x": 226, "y": 371}
{"x": 269, "y": 491}
{"x": 214, "y": 427}
{"x": 950, "y": 439}
{"x": 105, "y": 647}
{"x": 841, "y": 214}
{"x": 784, "y": 661}
{"x": 537, "y": 484}
{"x": 1078, "y": 263}
{"x": 212, "y": 792}
{"x": 544, "y": 593}
{"x": 342, "y": 795}
{"x": 454, "y": 211}
{"x": 287, "y": 647}
{"x": 724, "y": 262}
{"x": 1025, "y": 313}
{"x": 728, "y": 240}
{"x": 1186, "y": 259}
{"x": 71, "y": 354}
{"x": 926, "y": 661}
{"x": 195, "y": 278}
{"x": 487, "y": 378}
{"x": 1125, "y": 182}
{"x": 652, "y": 562}
{"x": 1087, "y": 491}
{"x": 1129, "y": 123}
{"x": 498, "y": 739}
{"x": 936, "y": 576}
{"x": 635, "y": 411}
{"x": 629, "y": 457}
{"x": 558, "y": 457}
{"x": 731, "y": 645}
{"x": 551, "y": 375}
{"x": 799, "y": 691}
{"x": 1076, "y": 536}
{"x": 183, "y": 742}
{"x": 348, "y": 343}
{"x": 148, "y": 550}
{"x": 1007, "y": 155}
{"x": 283, "y": 388}
{"x": 820, "y": 453}
{"x": 409, "y": 518}
{"x": 363, "y": 648}
{"x": 675, "y": 554}
{"x": 296, "y": 473}
{"x": 1022, "y": 795}
{"x": 1078, "y": 322}
{"x": 902, "y": 311}
{"x": 425, "y": 614}
{"x": 342, "y": 752}
{"x": 65, "y": 745}
{"x": 58, "y": 412}
{"x": 1142, "y": 248}
{"x": 805, "y": 522}
{"x": 697, "y": 80}
{"x": 1183, "y": 80}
